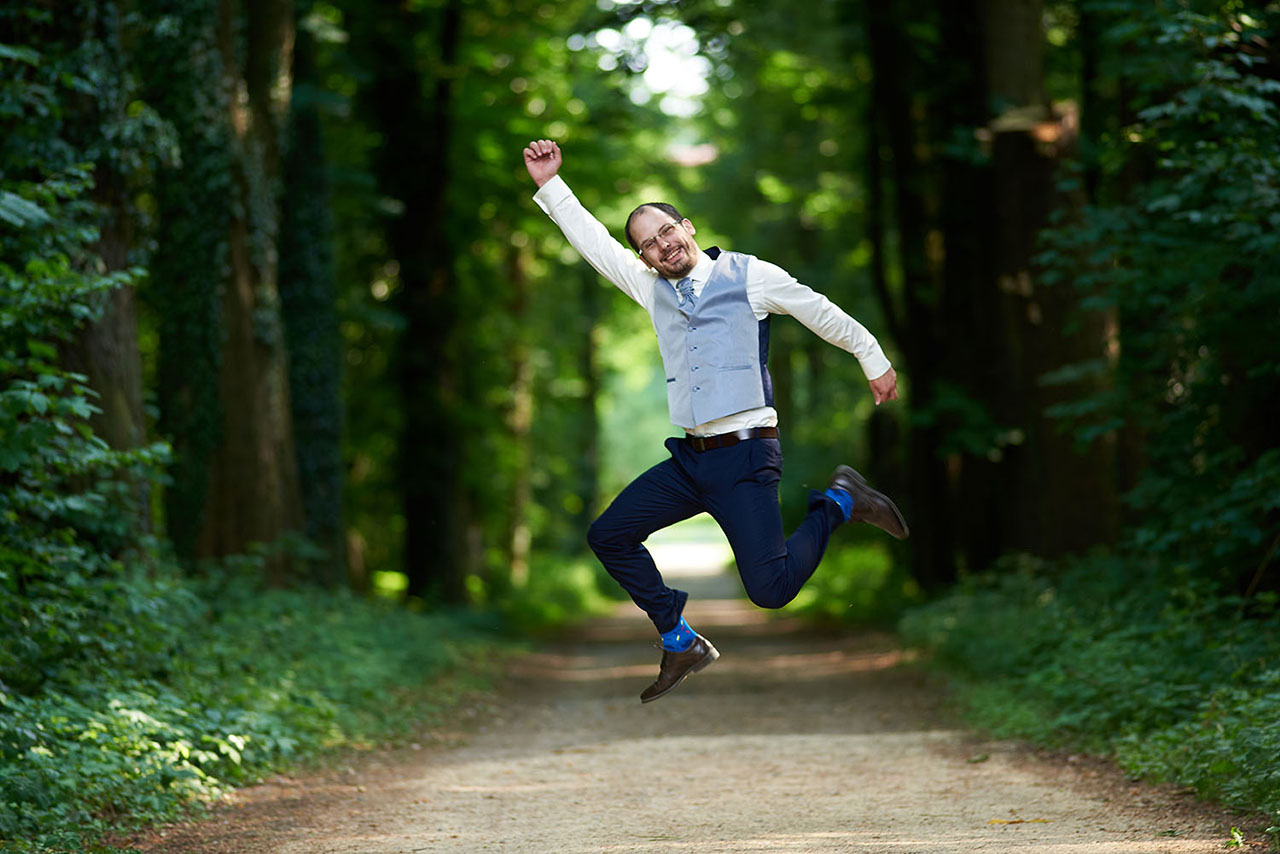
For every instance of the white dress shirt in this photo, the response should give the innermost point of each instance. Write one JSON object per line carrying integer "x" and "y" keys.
{"x": 770, "y": 290}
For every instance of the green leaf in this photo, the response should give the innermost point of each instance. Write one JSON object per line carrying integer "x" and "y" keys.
{"x": 18, "y": 53}
{"x": 42, "y": 349}
{"x": 21, "y": 213}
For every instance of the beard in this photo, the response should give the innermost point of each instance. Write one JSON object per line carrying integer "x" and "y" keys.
{"x": 680, "y": 266}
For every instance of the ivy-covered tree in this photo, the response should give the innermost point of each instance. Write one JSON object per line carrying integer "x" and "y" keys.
{"x": 219, "y": 74}
{"x": 178, "y": 61}
{"x": 309, "y": 308}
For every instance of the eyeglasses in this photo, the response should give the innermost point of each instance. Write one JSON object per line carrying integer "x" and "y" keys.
{"x": 665, "y": 233}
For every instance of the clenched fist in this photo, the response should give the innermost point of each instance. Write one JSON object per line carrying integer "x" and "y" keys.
{"x": 542, "y": 158}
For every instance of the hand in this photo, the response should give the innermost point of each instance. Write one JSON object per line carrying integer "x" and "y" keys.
{"x": 885, "y": 387}
{"x": 542, "y": 158}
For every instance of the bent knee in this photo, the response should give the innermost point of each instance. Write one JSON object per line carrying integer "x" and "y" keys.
{"x": 597, "y": 537}
{"x": 771, "y": 599}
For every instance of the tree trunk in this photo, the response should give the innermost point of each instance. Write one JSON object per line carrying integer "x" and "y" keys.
{"x": 107, "y": 351}
{"x": 181, "y": 70}
{"x": 977, "y": 359}
{"x": 588, "y": 462}
{"x": 309, "y": 298}
{"x": 412, "y": 110}
{"x": 253, "y": 491}
{"x": 892, "y": 105}
{"x": 1052, "y": 499}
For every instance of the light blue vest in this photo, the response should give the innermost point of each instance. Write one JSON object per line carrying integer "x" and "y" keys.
{"x": 715, "y": 358}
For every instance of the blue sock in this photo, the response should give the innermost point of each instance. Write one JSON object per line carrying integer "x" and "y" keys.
{"x": 844, "y": 499}
{"x": 680, "y": 638}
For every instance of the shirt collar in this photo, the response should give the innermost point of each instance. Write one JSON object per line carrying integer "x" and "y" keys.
{"x": 701, "y": 271}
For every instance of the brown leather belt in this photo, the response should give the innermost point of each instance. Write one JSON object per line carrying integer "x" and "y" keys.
{"x": 724, "y": 440}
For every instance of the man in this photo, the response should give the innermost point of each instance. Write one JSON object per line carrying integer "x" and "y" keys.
{"x": 711, "y": 313}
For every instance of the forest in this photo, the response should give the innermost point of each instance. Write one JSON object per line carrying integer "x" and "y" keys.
{"x": 304, "y": 402}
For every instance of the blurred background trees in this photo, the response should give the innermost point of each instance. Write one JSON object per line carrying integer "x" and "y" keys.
{"x": 372, "y": 359}
{"x": 369, "y": 354}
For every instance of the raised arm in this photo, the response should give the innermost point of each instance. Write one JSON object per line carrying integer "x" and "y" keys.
{"x": 542, "y": 158}
{"x": 585, "y": 233}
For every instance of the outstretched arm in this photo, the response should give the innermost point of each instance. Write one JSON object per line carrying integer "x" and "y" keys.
{"x": 780, "y": 293}
{"x": 542, "y": 158}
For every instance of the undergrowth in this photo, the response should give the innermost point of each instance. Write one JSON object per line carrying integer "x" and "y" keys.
{"x": 1178, "y": 682}
{"x": 215, "y": 697}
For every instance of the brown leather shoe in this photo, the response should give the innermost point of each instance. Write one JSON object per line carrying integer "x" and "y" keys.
{"x": 677, "y": 665}
{"x": 869, "y": 506}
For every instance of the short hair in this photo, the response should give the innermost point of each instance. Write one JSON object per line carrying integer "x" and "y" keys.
{"x": 662, "y": 206}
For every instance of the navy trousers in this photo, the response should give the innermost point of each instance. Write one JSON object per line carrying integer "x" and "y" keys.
{"x": 738, "y": 487}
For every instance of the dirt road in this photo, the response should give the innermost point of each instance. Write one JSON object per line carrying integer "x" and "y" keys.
{"x": 792, "y": 742}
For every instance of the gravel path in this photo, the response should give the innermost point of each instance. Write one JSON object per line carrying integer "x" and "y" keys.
{"x": 794, "y": 741}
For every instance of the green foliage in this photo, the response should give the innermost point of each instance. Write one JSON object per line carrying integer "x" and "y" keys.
{"x": 192, "y": 699}
{"x": 126, "y": 693}
{"x": 560, "y": 590}
{"x": 1148, "y": 653}
{"x": 1123, "y": 656}
{"x": 66, "y": 513}
{"x": 1181, "y": 247}
{"x": 1226, "y": 750}
{"x": 856, "y": 583}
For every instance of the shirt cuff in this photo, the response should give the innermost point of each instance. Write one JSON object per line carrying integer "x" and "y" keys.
{"x": 875, "y": 364}
{"x": 552, "y": 193}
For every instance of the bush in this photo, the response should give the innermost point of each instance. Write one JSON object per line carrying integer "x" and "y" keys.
{"x": 128, "y": 692}
{"x": 224, "y": 696}
{"x": 856, "y": 583}
{"x": 1226, "y": 750}
{"x": 559, "y": 590}
{"x": 1119, "y": 656}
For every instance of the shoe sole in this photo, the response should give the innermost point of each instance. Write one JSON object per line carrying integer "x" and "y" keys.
{"x": 703, "y": 663}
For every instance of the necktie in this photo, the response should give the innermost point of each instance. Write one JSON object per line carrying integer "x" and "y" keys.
{"x": 685, "y": 288}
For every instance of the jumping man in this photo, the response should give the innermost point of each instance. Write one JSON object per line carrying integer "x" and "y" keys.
{"x": 711, "y": 312}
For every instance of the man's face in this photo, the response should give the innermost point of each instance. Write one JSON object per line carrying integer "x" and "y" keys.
{"x": 666, "y": 244}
